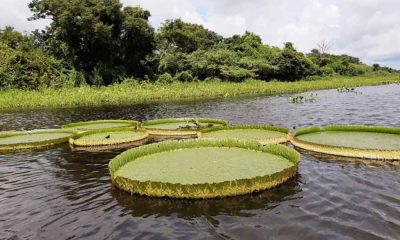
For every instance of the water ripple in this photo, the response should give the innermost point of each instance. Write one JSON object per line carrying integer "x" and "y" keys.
{"x": 54, "y": 192}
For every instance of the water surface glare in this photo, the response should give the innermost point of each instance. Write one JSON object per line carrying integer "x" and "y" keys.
{"x": 57, "y": 193}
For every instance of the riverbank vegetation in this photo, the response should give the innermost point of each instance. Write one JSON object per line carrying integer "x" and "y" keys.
{"x": 92, "y": 44}
{"x": 134, "y": 92}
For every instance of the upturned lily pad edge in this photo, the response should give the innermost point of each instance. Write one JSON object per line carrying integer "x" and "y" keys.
{"x": 131, "y": 123}
{"x": 73, "y": 139}
{"x": 37, "y": 144}
{"x": 206, "y": 190}
{"x": 376, "y": 154}
{"x": 267, "y": 140}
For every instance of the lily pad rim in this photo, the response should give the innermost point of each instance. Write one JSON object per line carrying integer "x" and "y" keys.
{"x": 275, "y": 149}
{"x": 348, "y": 128}
{"x": 132, "y": 123}
{"x": 232, "y": 127}
{"x": 271, "y": 180}
{"x": 75, "y": 137}
{"x": 267, "y": 140}
{"x": 365, "y": 153}
{"x": 15, "y": 146}
{"x": 148, "y": 124}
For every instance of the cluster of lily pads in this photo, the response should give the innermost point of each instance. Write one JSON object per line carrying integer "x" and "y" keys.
{"x": 218, "y": 160}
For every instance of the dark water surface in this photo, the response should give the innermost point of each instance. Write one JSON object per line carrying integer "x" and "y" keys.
{"x": 59, "y": 194}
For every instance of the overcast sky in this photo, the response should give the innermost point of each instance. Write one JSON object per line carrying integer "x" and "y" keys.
{"x": 369, "y": 29}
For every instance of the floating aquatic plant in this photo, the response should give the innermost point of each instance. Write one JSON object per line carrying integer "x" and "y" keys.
{"x": 32, "y": 139}
{"x": 300, "y": 98}
{"x": 203, "y": 168}
{"x": 106, "y": 137}
{"x": 345, "y": 89}
{"x": 180, "y": 126}
{"x": 262, "y": 134}
{"x": 372, "y": 142}
{"x": 101, "y": 124}
{"x": 348, "y": 90}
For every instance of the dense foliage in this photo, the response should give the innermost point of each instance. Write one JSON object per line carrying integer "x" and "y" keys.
{"x": 100, "y": 42}
{"x": 102, "y": 39}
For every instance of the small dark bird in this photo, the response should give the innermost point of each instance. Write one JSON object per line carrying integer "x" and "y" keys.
{"x": 107, "y": 137}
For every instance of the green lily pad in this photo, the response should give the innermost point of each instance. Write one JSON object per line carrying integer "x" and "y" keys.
{"x": 352, "y": 141}
{"x": 180, "y": 126}
{"x": 108, "y": 137}
{"x": 32, "y": 139}
{"x": 262, "y": 134}
{"x": 203, "y": 168}
{"x": 100, "y": 124}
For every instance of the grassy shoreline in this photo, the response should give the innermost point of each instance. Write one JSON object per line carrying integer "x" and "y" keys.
{"x": 135, "y": 93}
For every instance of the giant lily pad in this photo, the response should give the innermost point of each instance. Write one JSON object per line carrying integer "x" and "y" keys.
{"x": 100, "y": 124}
{"x": 262, "y": 134}
{"x": 108, "y": 137}
{"x": 370, "y": 142}
{"x": 32, "y": 139}
{"x": 203, "y": 168}
{"x": 180, "y": 127}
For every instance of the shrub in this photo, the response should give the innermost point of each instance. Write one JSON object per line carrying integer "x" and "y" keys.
{"x": 236, "y": 74}
{"x": 184, "y": 76}
{"x": 326, "y": 71}
{"x": 28, "y": 69}
{"x": 293, "y": 65}
{"x": 165, "y": 78}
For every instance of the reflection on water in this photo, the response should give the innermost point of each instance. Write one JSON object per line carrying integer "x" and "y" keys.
{"x": 57, "y": 193}
{"x": 191, "y": 209}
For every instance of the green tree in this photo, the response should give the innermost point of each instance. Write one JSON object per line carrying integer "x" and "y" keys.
{"x": 102, "y": 39}
{"x": 254, "y": 55}
{"x": 220, "y": 63}
{"x": 12, "y": 38}
{"x": 185, "y": 37}
{"x": 293, "y": 65}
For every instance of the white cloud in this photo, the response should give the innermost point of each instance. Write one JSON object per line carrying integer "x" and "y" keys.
{"x": 367, "y": 29}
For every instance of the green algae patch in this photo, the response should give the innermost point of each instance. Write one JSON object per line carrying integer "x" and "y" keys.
{"x": 32, "y": 139}
{"x": 370, "y": 142}
{"x": 201, "y": 169}
{"x": 108, "y": 137}
{"x": 180, "y": 126}
{"x": 262, "y": 134}
{"x": 101, "y": 124}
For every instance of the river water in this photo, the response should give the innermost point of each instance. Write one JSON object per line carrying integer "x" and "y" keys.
{"x": 59, "y": 194}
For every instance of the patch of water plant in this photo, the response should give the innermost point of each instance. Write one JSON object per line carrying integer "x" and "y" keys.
{"x": 203, "y": 168}
{"x": 180, "y": 126}
{"x": 348, "y": 90}
{"x": 312, "y": 97}
{"x": 370, "y": 142}
{"x": 262, "y": 134}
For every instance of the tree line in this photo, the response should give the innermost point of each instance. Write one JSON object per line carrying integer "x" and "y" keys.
{"x": 101, "y": 42}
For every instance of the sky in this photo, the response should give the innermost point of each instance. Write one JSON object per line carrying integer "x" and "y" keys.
{"x": 368, "y": 29}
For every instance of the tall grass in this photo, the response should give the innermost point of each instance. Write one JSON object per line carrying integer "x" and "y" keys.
{"x": 134, "y": 93}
